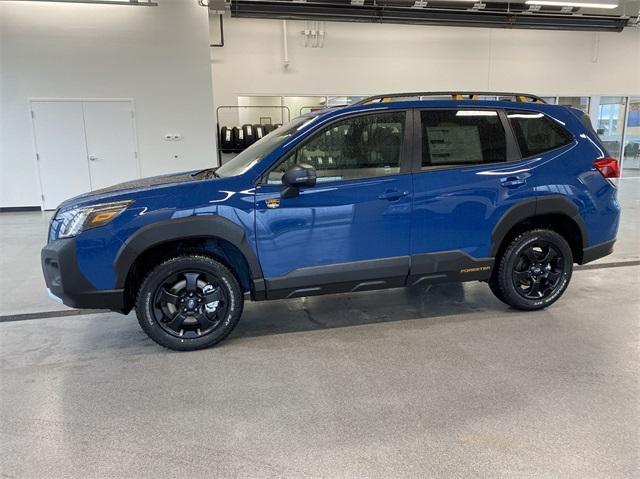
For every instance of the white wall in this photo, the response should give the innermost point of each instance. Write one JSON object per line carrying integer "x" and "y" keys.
{"x": 375, "y": 58}
{"x": 159, "y": 56}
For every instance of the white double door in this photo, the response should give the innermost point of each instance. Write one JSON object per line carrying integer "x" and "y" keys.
{"x": 83, "y": 146}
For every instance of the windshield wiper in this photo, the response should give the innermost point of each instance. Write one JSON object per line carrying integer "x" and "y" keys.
{"x": 206, "y": 173}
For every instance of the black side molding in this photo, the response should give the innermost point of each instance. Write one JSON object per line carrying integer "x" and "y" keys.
{"x": 180, "y": 229}
{"x": 340, "y": 278}
{"x": 394, "y": 272}
{"x": 448, "y": 266}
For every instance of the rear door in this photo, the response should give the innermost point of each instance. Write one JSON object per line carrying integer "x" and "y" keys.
{"x": 351, "y": 231}
{"x": 462, "y": 186}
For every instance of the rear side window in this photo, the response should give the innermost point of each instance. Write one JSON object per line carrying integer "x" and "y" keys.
{"x": 537, "y": 133}
{"x": 462, "y": 137}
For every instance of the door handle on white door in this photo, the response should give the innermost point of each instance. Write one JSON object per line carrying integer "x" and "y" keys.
{"x": 93, "y": 158}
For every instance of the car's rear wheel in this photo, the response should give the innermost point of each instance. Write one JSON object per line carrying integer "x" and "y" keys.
{"x": 534, "y": 270}
{"x": 189, "y": 302}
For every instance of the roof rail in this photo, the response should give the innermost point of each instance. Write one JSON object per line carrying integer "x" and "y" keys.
{"x": 455, "y": 95}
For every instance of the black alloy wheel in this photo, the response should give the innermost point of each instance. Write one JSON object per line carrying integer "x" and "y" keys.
{"x": 533, "y": 271}
{"x": 189, "y": 302}
{"x": 537, "y": 273}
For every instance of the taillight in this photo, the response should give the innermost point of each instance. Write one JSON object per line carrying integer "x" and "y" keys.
{"x": 608, "y": 167}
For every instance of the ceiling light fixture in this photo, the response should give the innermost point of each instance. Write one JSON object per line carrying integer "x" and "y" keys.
{"x": 552, "y": 3}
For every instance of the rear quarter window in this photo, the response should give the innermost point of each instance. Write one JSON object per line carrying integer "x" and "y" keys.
{"x": 536, "y": 133}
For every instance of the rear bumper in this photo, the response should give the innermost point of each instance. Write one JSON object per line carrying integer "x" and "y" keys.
{"x": 66, "y": 282}
{"x": 597, "y": 251}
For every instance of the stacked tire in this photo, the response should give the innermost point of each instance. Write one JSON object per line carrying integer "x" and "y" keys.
{"x": 226, "y": 139}
{"x": 249, "y": 135}
{"x": 237, "y": 138}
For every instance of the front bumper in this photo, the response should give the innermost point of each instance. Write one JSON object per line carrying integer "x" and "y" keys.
{"x": 66, "y": 282}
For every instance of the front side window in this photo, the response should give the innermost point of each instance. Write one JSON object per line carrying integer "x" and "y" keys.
{"x": 360, "y": 147}
{"x": 536, "y": 132}
{"x": 462, "y": 137}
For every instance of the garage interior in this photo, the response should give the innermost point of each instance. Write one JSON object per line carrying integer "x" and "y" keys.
{"x": 428, "y": 381}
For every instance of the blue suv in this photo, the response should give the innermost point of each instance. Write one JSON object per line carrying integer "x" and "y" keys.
{"x": 393, "y": 191}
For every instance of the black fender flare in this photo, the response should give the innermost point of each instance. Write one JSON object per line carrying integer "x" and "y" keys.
{"x": 166, "y": 231}
{"x": 529, "y": 208}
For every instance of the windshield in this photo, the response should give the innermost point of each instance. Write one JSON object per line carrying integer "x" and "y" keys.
{"x": 252, "y": 155}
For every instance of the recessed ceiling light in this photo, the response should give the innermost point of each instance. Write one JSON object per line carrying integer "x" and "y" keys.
{"x": 551, "y": 3}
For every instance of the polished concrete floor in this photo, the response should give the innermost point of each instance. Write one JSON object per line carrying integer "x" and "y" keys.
{"x": 433, "y": 382}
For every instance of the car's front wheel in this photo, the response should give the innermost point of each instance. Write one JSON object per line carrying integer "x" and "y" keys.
{"x": 189, "y": 302}
{"x": 534, "y": 270}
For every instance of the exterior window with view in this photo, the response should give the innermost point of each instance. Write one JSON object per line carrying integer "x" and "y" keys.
{"x": 462, "y": 137}
{"x": 361, "y": 147}
{"x": 536, "y": 133}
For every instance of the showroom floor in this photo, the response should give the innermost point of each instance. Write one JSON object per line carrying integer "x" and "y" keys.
{"x": 444, "y": 381}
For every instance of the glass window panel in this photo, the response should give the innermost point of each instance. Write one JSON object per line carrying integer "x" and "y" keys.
{"x": 360, "y": 147}
{"x": 259, "y": 110}
{"x": 579, "y": 102}
{"x": 631, "y": 160}
{"x": 459, "y": 137}
{"x": 301, "y": 105}
{"x": 536, "y": 133}
{"x": 610, "y": 122}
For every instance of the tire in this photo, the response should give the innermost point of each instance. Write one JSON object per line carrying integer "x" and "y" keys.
{"x": 534, "y": 270}
{"x": 238, "y": 139}
{"x": 259, "y": 129}
{"x": 267, "y": 128}
{"x": 189, "y": 302}
{"x": 249, "y": 135}
{"x": 226, "y": 139}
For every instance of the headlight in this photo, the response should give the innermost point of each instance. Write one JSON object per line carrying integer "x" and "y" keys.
{"x": 75, "y": 221}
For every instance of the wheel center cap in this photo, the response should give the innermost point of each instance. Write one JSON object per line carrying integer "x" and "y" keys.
{"x": 191, "y": 304}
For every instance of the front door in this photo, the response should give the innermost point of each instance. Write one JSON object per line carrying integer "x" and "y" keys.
{"x": 351, "y": 231}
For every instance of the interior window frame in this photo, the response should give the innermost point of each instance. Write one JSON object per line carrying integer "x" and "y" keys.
{"x": 406, "y": 151}
{"x": 512, "y": 148}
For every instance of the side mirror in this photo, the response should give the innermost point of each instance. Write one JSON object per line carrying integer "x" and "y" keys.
{"x": 296, "y": 177}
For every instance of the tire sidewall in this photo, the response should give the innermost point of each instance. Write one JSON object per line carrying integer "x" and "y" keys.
{"x": 144, "y": 304}
{"x": 512, "y": 255}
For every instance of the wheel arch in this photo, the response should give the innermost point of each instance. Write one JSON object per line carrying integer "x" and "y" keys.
{"x": 214, "y": 236}
{"x": 553, "y": 212}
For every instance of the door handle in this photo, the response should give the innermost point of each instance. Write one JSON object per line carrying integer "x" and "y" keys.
{"x": 392, "y": 195}
{"x": 513, "y": 181}
{"x": 93, "y": 158}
